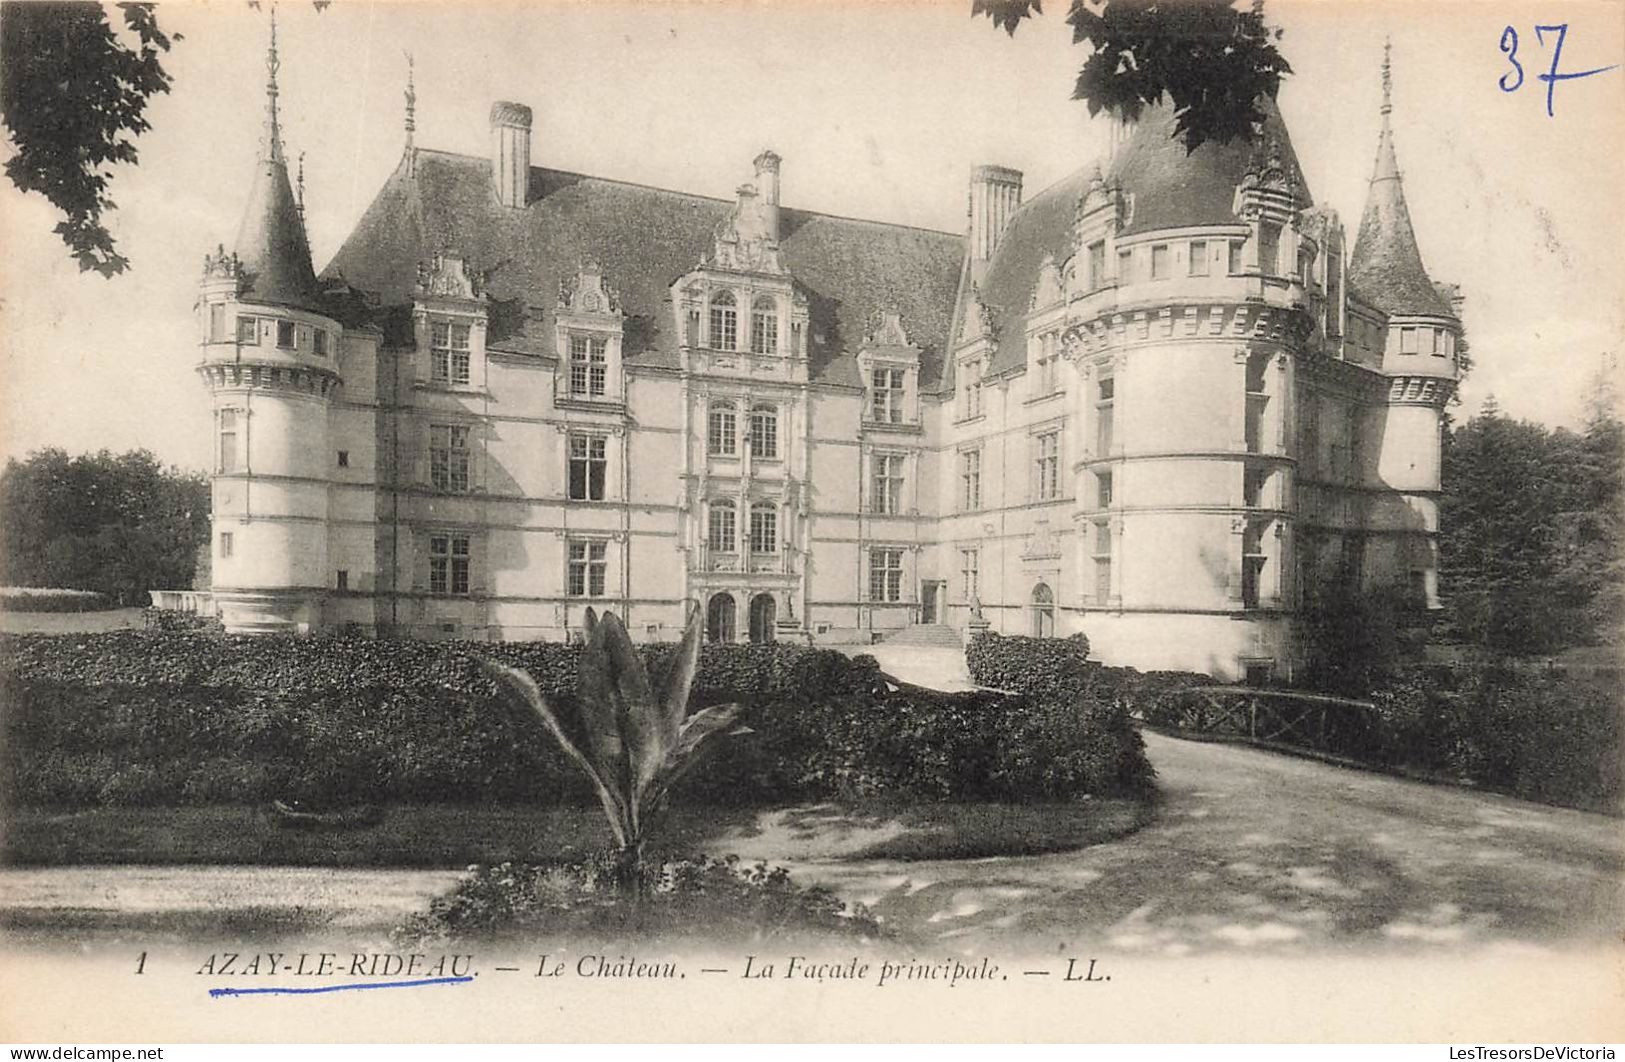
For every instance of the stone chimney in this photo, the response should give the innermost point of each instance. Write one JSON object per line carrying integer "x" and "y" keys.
{"x": 510, "y": 152}
{"x": 767, "y": 183}
{"x": 995, "y": 194}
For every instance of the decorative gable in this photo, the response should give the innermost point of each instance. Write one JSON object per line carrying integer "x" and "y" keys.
{"x": 746, "y": 241}
{"x": 447, "y": 277}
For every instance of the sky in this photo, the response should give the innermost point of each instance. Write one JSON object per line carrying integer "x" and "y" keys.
{"x": 879, "y": 109}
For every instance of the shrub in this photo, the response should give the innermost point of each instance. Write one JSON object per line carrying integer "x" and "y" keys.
{"x": 330, "y": 721}
{"x": 1047, "y": 665}
{"x": 718, "y": 897}
{"x": 41, "y": 599}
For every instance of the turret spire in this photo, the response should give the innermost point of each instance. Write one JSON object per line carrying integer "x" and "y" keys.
{"x": 1386, "y": 267}
{"x": 271, "y": 143}
{"x": 271, "y": 242}
{"x": 411, "y": 103}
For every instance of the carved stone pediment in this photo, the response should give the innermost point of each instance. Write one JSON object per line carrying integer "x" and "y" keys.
{"x": 745, "y": 241}
{"x": 977, "y": 321}
{"x": 886, "y": 331}
{"x": 1041, "y": 544}
{"x": 448, "y": 277}
{"x": 587, "y": 291}
{"x": 222, "y": 265}
{"x": 1050, "y": 288}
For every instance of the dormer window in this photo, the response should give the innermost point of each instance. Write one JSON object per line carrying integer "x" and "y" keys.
{"x": 724, "y": 322}
{"x": 888, "y": 395}
{"x": 764, "y": 326}
{"x": 589, "y": 366}
{"x": 449, "y": 352}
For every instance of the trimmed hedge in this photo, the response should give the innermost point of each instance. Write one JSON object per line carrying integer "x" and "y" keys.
{"x": 169, "y": 717}
{"x": 32, "y": 599}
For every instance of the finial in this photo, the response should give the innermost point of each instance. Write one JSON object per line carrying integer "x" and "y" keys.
{"x": 273, "y": 130}
{"x": 299, "y": 189}
{"x": 1387, "y": 75}
{"x": 411, "y": 102}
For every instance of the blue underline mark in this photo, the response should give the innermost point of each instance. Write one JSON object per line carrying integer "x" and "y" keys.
{"x": 218, "y": 992}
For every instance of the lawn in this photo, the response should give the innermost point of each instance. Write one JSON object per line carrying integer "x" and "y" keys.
{"x": 453, "y": 836}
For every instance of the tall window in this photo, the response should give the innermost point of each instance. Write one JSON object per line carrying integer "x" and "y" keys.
{"x": 721, "y": 428}
{"x": 885, "y": 575}
{"x": 1103, "y": 489}
{"x": 1103, "y": 562}
{"x": 248, "y": 330}
{"x": 1047, "y": 459}
{"x": 1105, "y": 400}
{"x": 1097, "y": 265}
{"x": 970, "y": 389}
{"x": 1269, "y": 249}
{"x": 1161, "y": 262}
{"x": 724, "y": 321}
{"x": 588, "y": 366}
{"x": 1252, "y": 564}
{"x": 318, "y": 343}
{"x": 888, "y": 395}
{"x": 1254, "y": 480}
{"x": 720, "y": 533}
{"x": 970, "y": 580}
{"x": 448, "y": 349}
{"x": 764, "y": 326}
{"x": 448, "y": 457}
{"x": 228, "y": 440}
{"x": 887, "y": 493}
{"x": 764, "y": 528}
{"x": 217, "y": 321}
{"x": 448, "y": 564}
{"x": 1407, "y": 341}
{"x": 1198, "y": 260}
{"x": 764, "y": 432}
{"x": 1125, "y": 265}
{"x": 587, "y": 466}
{"x": 1258, "y": 401}
{"x": 586, "y": 568}
{"x": 226, "y": 545}
{"x": 970, "y": 480}
{"x": 286, "y": 335}
{"x": 1238, "y": 257}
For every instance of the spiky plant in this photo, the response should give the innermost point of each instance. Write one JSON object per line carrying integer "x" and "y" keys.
{"x": 634, "y": 739}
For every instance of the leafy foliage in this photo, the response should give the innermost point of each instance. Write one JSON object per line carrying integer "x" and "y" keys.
{"x": 1210, "y": 59}
{"x": 73, "y": 96}
{"x": 119, "y": 524}
{"x": 38, "y": 599}
{"x": 727, "y": 899}
{"x": 1532, "y": 528}
{"x": 330, "y": 721}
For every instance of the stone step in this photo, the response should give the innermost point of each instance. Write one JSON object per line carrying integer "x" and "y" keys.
{"x": 939, "y": 635}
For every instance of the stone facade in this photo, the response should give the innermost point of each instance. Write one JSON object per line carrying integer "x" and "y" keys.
{"x": 1161, "y": 403}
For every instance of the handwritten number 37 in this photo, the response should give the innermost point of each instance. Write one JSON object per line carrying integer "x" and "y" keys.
{"x": 1512, "y": 80}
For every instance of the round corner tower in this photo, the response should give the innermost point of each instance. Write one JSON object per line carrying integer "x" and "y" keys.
{"x": 270, "y": 361}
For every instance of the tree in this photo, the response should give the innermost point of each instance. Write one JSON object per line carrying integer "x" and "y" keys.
{"x": 117, "y": 524}
{"x": 73, "y": 98}
{"x": 1211, "y": 60}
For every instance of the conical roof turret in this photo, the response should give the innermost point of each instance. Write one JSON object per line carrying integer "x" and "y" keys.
{"x": 271, "y": 241}
{"x": 1386, "y": 268}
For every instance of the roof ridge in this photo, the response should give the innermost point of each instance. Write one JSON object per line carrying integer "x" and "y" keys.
{"x": 699, "y": 195}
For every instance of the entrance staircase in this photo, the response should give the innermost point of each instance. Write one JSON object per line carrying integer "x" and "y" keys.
{"x": 934, "y": 635}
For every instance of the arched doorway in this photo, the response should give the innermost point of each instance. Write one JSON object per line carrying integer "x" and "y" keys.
{"x": 763, "y": 612}
{"x": 720, "y": 624}
{"x": 1043, "y": 612}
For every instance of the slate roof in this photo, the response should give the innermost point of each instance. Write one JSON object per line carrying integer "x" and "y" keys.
{"x": 1172, "y": 189}
{"x": 1386, "y": 268}
{"x": 644, "y": 238}
{"x": 271, "y": 242}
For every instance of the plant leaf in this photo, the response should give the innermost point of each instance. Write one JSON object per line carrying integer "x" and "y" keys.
{"x": 678, "y": 680}
{"x": 601, "y": 705}
{"x": 700, "y": 726}
{"x": 519, "y": 687}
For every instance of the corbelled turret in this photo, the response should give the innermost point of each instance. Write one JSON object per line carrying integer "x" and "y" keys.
{"x": 271, "y": 242}
{"x": 1387, "y": 266}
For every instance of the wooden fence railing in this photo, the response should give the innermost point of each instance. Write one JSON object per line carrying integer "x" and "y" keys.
{"x": 1269, "y": 716}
